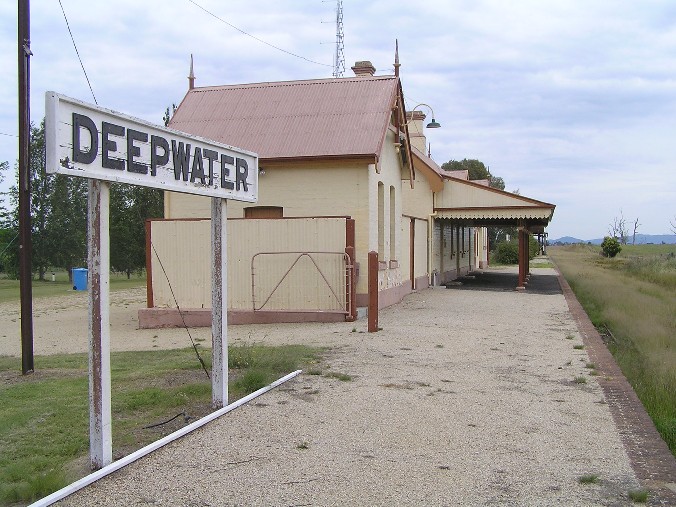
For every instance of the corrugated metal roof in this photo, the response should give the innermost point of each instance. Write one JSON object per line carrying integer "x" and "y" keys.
{"x": 289, "y": 119}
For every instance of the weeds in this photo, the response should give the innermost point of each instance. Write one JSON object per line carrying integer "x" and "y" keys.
{"x": 343, "y": 377}
{"x": 588, "y": 479}
{"x": 578, "y": 347}
{"x": 580, "y": 380}
{"x": 44, "y": 421}
{"x": 634, "y": 297}
{"x": 639, "y": 495}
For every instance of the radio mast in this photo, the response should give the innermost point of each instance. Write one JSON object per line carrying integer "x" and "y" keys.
{"x": 339, "y": 61}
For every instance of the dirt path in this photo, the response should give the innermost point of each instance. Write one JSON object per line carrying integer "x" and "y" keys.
{"x": 464, "y": 398}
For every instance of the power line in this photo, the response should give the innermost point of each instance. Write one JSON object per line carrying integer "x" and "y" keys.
{"x": 78, "y": 53}
{"x": 10, "y": 135}
{"x": 256, "y": 38}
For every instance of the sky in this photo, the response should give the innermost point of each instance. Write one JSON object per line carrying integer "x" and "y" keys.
{"x": 571, "y": 102}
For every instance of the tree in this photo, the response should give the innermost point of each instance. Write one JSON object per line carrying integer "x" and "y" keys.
{"x": 610, "y": 247}
{"x": 618, "y": 229}
{"x": 58, "y": 215}
{"x": 672, "y": 224}
{"x": 167, "y": 115}
{"x": 476, "y": 169}
{"x": 130, "y": 207}
{"x": 636, "y": 226}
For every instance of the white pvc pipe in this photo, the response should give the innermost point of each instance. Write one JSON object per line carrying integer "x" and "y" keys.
{"x": 122, "y": 462}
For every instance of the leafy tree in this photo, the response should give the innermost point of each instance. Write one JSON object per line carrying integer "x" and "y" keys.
{"x": 610, "y": 247}
{"x": 477, "y": 171}
{"x": 67, "y": 223}
{"x": 130, "y": 207}
{"x": 168, "y": 114}
{"x": 58, "y": 215}
{"x": 507, "y": 252}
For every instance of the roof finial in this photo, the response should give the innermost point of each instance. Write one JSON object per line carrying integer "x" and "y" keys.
{"x": 191, "y": 77}
{"x": 396, "y": 57}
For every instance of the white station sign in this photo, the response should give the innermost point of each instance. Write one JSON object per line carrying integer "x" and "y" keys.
{"x": 94, "y": 142}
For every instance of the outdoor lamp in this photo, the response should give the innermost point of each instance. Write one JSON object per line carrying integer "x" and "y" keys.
{"x": 434, "y": 124}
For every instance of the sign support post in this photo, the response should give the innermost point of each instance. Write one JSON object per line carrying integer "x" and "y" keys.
{"x": 88, "y": 141}
{"x": 219, "y": 303}
{"x": 98, "y": 278}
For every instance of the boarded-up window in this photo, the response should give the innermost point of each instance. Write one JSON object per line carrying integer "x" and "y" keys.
{"x": 264, "y": 212}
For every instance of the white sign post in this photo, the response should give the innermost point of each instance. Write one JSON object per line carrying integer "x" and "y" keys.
{"x": 102, "y": 145}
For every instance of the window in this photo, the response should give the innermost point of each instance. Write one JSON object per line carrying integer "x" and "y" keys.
{"x": 264, "y": 212}
{"x": 393, "y": 221}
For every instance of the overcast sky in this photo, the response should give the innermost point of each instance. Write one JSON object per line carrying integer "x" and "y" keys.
{"x": 571, "y": 102}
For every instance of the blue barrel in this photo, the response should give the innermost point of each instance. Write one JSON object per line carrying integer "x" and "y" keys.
{"x": 79, "y": 278}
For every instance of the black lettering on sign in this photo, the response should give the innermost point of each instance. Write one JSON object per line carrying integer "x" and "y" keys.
{"x": 107, "y": 146}
{"x": 226, "y": 160}
{"x": 155, "y": 158}
{"x": 197, "y": 166}
{"x": 135, "y": 151}
{"x": 242, "y": 174}
{"x": 210, "y": 155}
{"x": 181, "y": 159}
{"x": 81, "y": 121}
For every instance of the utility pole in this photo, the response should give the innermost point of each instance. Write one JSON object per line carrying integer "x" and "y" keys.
{"x": 25, "y": 242}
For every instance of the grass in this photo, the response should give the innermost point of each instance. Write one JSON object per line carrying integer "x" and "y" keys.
{"x": 638, "y": 495}
{"x": 633, "y": 296}
{"x": 44, "y": 422}
{"x": 578, "y": 347}
{"x": 580, "y": 380}
{"x": 588, "y": 479}
{"x": 9, "y": 288}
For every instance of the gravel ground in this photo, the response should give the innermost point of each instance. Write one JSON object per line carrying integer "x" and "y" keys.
{"x": 463, "y": 398}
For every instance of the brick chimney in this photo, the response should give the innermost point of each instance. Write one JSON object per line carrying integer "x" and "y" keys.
{"x": 363, "y": 68}
{"x": 415, "y": 129}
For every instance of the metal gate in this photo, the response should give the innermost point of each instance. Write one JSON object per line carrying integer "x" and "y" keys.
{"x": 302, "y": 282}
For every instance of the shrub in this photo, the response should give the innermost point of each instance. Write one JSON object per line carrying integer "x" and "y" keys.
{"x": 507, "y": 252}
{"x": 610, "y": 247}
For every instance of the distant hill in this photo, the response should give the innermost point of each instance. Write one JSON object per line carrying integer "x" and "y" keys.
{"x": 641, "y": 239}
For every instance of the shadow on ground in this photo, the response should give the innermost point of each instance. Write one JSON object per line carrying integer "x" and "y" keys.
{"x": 539, "y": 283}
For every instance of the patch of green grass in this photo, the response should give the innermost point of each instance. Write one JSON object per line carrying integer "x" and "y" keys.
{"x": 578, "y": 347}
{"x": 590, "y": 366}
{"x": 439, "y": 346}
{"x": 266, "y": 364}
{"x": 639, "y": 495}
{"x": 343, "y": 377}
{"x": 9, "y": 288}
{"x": 588, "y": 479}
{"x": 639, "y": 312}
{"x": 303, "y": 446}
{"x": 580, "y": 380}
{"x": 570, "y": 336}
{"x": 44, "y": 421}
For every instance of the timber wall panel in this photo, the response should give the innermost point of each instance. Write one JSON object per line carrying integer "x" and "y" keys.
{"x": 184, "y": 248}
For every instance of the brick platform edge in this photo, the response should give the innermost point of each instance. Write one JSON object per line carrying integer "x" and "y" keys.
{"x": 653, "y": 463}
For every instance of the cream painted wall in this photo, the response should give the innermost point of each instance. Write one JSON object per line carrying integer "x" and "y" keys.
{"x": 337, "y": 188}
{"x": 183, "y": 247}
{"x": 390, "y": 175}
{"x": 418, "y": 201}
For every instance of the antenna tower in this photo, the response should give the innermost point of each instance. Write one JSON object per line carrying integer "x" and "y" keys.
{"x": 339, "y": 62}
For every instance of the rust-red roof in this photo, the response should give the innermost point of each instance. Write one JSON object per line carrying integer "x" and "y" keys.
{"x": 290, "y": 119}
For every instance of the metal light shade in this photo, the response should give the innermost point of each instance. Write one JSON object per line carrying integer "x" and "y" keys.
{"x": 433, "y": 124}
